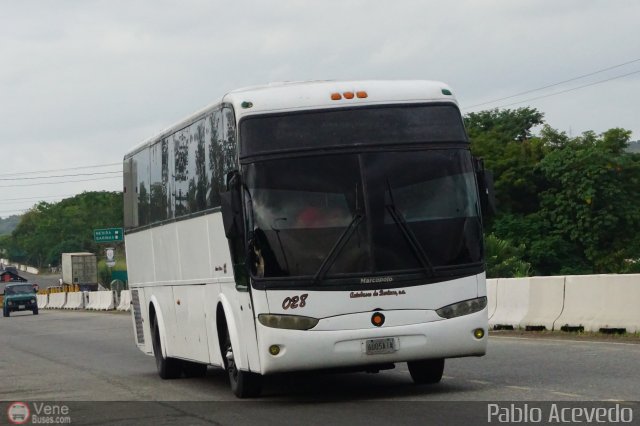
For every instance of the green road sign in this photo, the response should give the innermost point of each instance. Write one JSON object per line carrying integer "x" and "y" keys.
{"x": 108, "y": 235}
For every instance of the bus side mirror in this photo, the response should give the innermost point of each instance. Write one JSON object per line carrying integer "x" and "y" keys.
{"x": 485, "y": 188}
{"x": 231, "y": 206}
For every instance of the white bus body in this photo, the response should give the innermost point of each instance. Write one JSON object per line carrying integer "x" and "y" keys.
{"x": 315, "y": 313}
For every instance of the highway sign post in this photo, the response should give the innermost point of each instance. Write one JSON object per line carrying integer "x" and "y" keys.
{"x": 111, "y": 257}
{"x": 108, "y": 235}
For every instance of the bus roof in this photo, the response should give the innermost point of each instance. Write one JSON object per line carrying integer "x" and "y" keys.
{"x": 309, "y": 95}
{"x": 293, "y": 96}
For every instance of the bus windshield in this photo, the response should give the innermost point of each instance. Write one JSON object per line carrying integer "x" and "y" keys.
{"x": 383, "y": 212}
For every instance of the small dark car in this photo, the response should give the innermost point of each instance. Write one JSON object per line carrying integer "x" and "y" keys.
{"x": 19, "y": 296}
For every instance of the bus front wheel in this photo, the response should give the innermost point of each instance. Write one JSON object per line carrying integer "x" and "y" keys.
{"x": 168, "y": 368}
{"x": 427, "y": 371}
{"x": 244, "y": 384}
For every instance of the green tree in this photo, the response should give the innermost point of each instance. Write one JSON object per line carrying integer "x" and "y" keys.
{"x": 505, "y": 260}
{"x": 503, "y": 138}
{"x": 593, "y": 199}
{"x": 49, "y": 229}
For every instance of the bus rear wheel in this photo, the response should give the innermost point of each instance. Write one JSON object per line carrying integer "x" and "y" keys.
{"x": 427, "y": 371}
{"x": 244, "y": 384}
{"x": 168, "y": 368}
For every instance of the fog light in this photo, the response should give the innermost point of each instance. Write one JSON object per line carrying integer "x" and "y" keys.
{"x": 274, "y": 350}
{"x": 478, "y": 333}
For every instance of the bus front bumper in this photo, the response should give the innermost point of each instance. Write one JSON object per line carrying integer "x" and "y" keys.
{"x": 310, "y": 350}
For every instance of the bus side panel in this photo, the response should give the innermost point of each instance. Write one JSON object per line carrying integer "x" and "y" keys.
{"x": 162, "y": 297}
{"x": 191, "y": 323}
{"x": 211, "y": 297}
{"x": 143, "y": 341}
{"x": 218, "y": 247}
{"x": 139, "y": 250}
{"x": 193, "y": 246}
{"x": 165, "y": 253}
{"x": 240, "y": 320}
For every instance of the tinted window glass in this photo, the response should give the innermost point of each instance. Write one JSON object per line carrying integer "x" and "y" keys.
{"x": 396, "y": 211}
{"x": 300, "y": 209}
{"x": 364, "y": 126}
{"x": 158, "y": 186}
{"x": 196, "y": 169}
{"x": 229, "y": 141}
{"x": 18, "y": 289}
{"x": 168, "y": 172}
{"x": 215, "y": 165}
{"x": 142, "y": 198}
{"x": 181, "y": 175}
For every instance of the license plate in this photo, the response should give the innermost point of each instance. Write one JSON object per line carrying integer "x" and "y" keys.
{"x": 385, "y": 345}
{"x": 21, "y": 307}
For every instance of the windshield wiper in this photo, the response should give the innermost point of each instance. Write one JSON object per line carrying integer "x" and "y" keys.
{"x": 337, "y": 247}
{"x": 408, "y": 234}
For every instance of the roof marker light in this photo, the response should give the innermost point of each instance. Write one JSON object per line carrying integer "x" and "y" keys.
{"x": 246, "y": 104}
{"x": 446, "y": 92}
{"x": 336, "y": 96}
{"x": 348, "y": 95}
{"x": 362, "y": 94}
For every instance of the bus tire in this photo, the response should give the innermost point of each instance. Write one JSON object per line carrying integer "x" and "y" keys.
{"x": 427, "y": 371}
{"x": 168, "y": 368}
{"x": 244, "y": 384}
{"x": 35, "y": 311}
{"x": 194, "y": 369}
{"x": 5, "y": 312}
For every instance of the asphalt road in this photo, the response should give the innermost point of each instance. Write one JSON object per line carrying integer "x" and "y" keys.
{"x": 82, "y": 356}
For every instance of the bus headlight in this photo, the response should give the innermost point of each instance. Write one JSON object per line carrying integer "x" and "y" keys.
{"x": 290, "y": 322}
{"x": 462, "y": 308}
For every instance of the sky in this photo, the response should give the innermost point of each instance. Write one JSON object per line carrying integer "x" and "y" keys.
{"x": 82, "y": 82}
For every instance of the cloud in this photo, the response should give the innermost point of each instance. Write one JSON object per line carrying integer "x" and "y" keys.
{"x": 86, "y": 81}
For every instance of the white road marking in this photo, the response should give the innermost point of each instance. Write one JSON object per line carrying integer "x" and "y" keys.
{"x": 543, "y": 339}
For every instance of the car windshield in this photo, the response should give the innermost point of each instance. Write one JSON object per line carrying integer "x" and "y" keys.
{"x": 369, "y": 213}
{"x": 18, "y": 289}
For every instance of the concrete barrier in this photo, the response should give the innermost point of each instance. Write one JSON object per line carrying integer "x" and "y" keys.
{"x": 621, "y": 304}
{"x": 492, "y": 289}
{"x": 93, "y": 300}
{"x": 601, "y": 302}
{"x": 43, "y": 299}
{"x": 107, "y": 300}
{"x": 101, "y": 300}
{"x": 57, "y": 300}
{"x": 75, "y": 300}
{"x": 512, "y": 302}
{"x": 546, "y": 300}
{"x": 125, "y": 300}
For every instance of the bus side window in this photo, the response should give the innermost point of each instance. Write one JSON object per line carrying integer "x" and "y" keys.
{"x": 196, "y": 170}
{"x": 140, "y": 172}
{"x": 158, "y": 187}
{"x": 181, "y": 171}
{"x": 129, "y": 192}
{"x": 215, "y": 164}
{"x": 229, "y": 141}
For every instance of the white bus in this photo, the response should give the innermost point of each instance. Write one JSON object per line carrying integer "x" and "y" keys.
{"x": 316, "y": 225}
